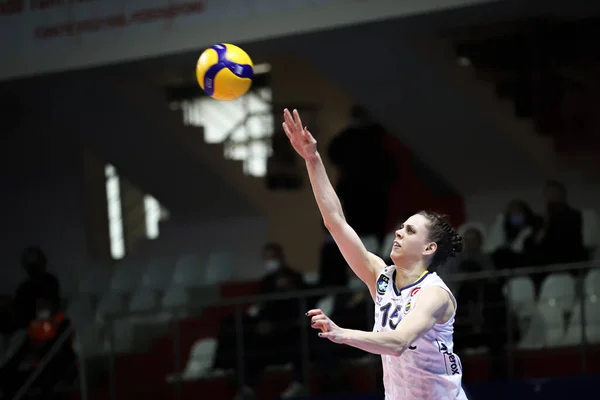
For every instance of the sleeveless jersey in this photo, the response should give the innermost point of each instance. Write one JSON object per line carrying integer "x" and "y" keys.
{"x": 428, "y": 369}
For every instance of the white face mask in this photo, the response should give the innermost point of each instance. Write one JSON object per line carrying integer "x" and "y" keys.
{"x": 272, "y": 265}
{"x": 44, "y": 314}
{"x": 355, "y": 284}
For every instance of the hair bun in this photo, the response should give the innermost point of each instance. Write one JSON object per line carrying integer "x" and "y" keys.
{"x": 457, "y": 244}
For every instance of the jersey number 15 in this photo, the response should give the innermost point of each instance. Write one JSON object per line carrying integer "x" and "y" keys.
{"x": 392, "y": 319}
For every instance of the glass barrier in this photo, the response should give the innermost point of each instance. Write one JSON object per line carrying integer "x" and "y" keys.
{"x": 523, "y": 323}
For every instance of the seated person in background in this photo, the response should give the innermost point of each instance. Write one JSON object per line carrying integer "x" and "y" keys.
{"x": 352, "y": 309}
{"x": 472, "y": 253}
{"x": 561, "y": 238}
{"x": 481, "y": 319}
{"x": 481, "y": 308}
{"x": 282, "y": 170}
{"x": 39, "y": 283}
{"x": 332, "y": 267}
{"x": 280, "y": 276}
{"x": 511, "y": 239}
{"x": 271, "y": 330}
{"x": 43, "y": 332}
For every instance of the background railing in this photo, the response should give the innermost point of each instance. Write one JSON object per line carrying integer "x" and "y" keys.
{"x": 194, "y": 336}
{"x": 29, "y": 382}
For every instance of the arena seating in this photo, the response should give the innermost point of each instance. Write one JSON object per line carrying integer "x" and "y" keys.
{"x": 548, "y": 69}
{"x": 147, "y": 296}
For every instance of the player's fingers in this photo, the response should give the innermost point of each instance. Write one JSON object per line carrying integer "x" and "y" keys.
{"x": 324, "y": 334}
{"x": 320, "y": 325}
{"x": 287, "y": 131}
{"x": 289, "y": 121}
{"x": 318, "y": 318}
{"x": 298, "y": 120}
{"x": 315, "y": 311}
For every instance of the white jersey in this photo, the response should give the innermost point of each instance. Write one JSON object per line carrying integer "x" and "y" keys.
{"x": 428, "y": 369}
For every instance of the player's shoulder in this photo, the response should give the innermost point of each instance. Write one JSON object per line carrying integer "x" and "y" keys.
{"x": 435, "y": 283}
{"x": 432, "y": 281}
{"x": 387, "y": 271}
{"x": 432, "y": 278}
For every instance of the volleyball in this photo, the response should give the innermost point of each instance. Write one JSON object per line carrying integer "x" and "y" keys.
{"x": 225, "y": 72}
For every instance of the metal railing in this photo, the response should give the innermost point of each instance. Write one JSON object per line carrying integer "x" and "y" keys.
{"x": 304, "y": 300}
{"x": 45, "y": 361}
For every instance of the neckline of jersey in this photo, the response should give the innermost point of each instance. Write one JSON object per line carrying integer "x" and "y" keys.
{"x": 419, "y": 280}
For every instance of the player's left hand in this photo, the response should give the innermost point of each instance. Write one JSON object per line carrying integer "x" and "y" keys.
{"x": 329, "y": 329}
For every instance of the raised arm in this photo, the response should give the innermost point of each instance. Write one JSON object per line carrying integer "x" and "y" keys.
{"x": 364, "y": 264}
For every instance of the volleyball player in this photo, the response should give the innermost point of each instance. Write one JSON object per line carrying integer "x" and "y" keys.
{"x": 414, "y": 309}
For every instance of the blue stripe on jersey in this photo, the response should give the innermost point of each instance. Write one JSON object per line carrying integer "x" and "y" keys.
{"x": 406, "y": 287}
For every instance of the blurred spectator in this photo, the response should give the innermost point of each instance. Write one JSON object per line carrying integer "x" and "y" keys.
{"x": 353, "y": 309}
{"x": 481, "y": 312}
{"x": 481, "y": 316}
{"x": 280, "y": 277}
{"x": 349, "y": 309}
{"x": 363, "y": 185}
{"x": 271, "y": 330}
{"x": 511, "y": 239}
{"x": 282, "y": 171}
{"x": 44, "y": 330}
{"x": 472, "y": 254}
{"x": 333, "y": 268}
{"x": 560, "y": 240}
{"x": 39, "y": 283}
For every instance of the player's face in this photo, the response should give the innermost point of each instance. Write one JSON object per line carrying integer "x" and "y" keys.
{"x": 412, "y": 240}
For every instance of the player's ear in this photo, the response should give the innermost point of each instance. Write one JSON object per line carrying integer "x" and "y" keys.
{"x": 430, "y": 248}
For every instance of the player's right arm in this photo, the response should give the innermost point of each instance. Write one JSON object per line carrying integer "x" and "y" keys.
{"x": 365, "y": 265}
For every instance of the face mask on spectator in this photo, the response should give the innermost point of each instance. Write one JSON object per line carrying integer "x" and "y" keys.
{"x": 272, "y": 265}
{"x": 517, "y": 220}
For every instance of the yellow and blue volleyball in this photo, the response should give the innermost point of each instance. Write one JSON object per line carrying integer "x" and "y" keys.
{"x": 225, "y": 71}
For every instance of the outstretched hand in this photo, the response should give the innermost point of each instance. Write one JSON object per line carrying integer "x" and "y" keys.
{"x": 300, "y": 138}
{"x": 329, "y": 329}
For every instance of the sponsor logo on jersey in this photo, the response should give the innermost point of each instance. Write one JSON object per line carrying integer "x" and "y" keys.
{"x": 382, "y": 284}
{"x": 450, "y": 359}
{"x": 415, "y": 291}
{"x": 407, "y": 307}
{"x": 453, "y": 364}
